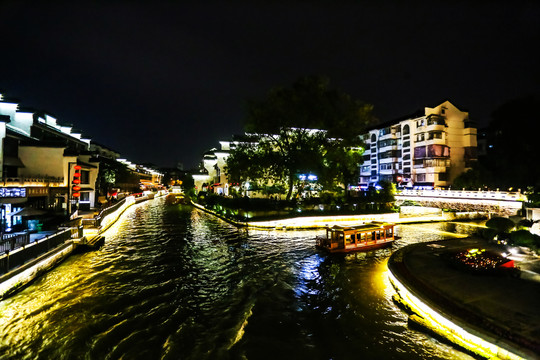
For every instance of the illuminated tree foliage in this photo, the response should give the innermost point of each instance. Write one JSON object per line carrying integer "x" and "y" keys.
{"x": 307, "y": 128}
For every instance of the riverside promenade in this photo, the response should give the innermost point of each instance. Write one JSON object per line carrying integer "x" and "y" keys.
{"x": 91, "y": 238}
{"x": 492, "y": 316}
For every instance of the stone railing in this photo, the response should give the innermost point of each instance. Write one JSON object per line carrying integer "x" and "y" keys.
{"x": 501, "y": 202}
{"x": 467, "y": 194}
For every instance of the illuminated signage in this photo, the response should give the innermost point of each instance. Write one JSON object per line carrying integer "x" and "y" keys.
{"x": 308, "y": 177}
{"x": 12, "y": 192}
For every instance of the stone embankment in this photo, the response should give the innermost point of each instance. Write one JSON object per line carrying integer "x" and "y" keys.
{"x": 492, "y": 316}
{"x": 411, "y": 214}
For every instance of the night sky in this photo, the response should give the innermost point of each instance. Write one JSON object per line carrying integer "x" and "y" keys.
{"x": 162, "y": 82}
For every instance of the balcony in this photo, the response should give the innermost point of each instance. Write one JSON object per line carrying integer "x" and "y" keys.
{"x": 436, "y": 120}
{"x": 440, "y": 165}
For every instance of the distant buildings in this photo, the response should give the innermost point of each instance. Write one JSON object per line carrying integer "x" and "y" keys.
{"x": 50, "y": 168}
{"x": 211, "y": 174}
{"x": 426, "y": 150}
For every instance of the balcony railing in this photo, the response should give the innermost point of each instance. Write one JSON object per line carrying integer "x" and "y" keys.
{"x": 467, "y": 194}
{"x": 38, "y": 180}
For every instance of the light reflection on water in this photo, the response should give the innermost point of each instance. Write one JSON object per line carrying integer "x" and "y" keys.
{"x": 174, "y": 282}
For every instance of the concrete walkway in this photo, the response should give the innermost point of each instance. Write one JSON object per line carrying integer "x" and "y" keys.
{"x": 500, "y": 309}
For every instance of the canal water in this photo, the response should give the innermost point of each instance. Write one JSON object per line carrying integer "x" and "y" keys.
{"x": 172, "y": 282}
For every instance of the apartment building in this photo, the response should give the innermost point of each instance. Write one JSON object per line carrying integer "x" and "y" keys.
{"x": 426, "y": 150}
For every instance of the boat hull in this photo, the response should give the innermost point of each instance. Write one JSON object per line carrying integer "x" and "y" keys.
{"x": 366, "y": 247}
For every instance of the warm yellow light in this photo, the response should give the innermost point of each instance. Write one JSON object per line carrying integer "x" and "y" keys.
{"x": 445, "y": 327}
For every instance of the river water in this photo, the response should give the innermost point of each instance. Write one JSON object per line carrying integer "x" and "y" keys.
{"x": 172, "y": 282}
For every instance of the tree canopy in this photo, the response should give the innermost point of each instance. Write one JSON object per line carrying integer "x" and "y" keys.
{"x": 509, "y": 159}
{"x": 305, "y": 128}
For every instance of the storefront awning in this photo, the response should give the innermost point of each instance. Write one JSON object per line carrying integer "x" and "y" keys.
{"x": 28, "y": 211}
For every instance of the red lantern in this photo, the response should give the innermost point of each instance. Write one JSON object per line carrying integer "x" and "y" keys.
{"x": 76, "y": 180}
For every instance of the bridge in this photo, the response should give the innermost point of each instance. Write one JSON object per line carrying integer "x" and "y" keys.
{"x": 504, "y": 203}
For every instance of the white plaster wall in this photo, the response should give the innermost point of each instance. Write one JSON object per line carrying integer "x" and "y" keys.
{"x": 41, "y": 161}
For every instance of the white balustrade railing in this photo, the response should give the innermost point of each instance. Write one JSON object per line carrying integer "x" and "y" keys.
{"x": 466, "y": 194}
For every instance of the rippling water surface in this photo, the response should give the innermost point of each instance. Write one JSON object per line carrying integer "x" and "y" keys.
{"x": 172, "y": 282}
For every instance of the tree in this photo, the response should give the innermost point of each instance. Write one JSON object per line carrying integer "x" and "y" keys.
{"x": 501, "y": 226}
{"x": 513, "y": 143}
{"x": 307, "y": 128}
{"x": 478, "y": 177}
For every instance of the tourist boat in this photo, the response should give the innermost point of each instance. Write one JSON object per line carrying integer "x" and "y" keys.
{"x": 370, "y": 236}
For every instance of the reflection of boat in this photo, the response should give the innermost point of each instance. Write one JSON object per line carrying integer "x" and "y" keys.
{"x": 364, "y": 237}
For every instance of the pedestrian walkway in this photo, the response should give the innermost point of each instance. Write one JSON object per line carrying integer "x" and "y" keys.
{"x": 502, "y": 310}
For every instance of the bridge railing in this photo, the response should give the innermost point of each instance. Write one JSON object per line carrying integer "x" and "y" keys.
{"x": 466, "y": 194}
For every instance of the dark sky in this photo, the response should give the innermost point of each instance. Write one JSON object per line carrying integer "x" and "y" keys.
{"x": 162, "y": 82}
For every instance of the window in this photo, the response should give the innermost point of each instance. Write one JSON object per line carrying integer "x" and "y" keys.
{"x": 389, "y": 142}
{"x": 85, "y": 177}
{"x": 438, "y": 151}
{"x": 406, "y": 130}
{"x": 390, "y": 154}
{"x": 435, "y": 135}
{"x": 436, "y": 120}
{"x": 420, "y": 152}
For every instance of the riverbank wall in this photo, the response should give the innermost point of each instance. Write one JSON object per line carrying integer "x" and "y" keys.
{"x": 23, "y": 275}
{"x": 411, "y": 215}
